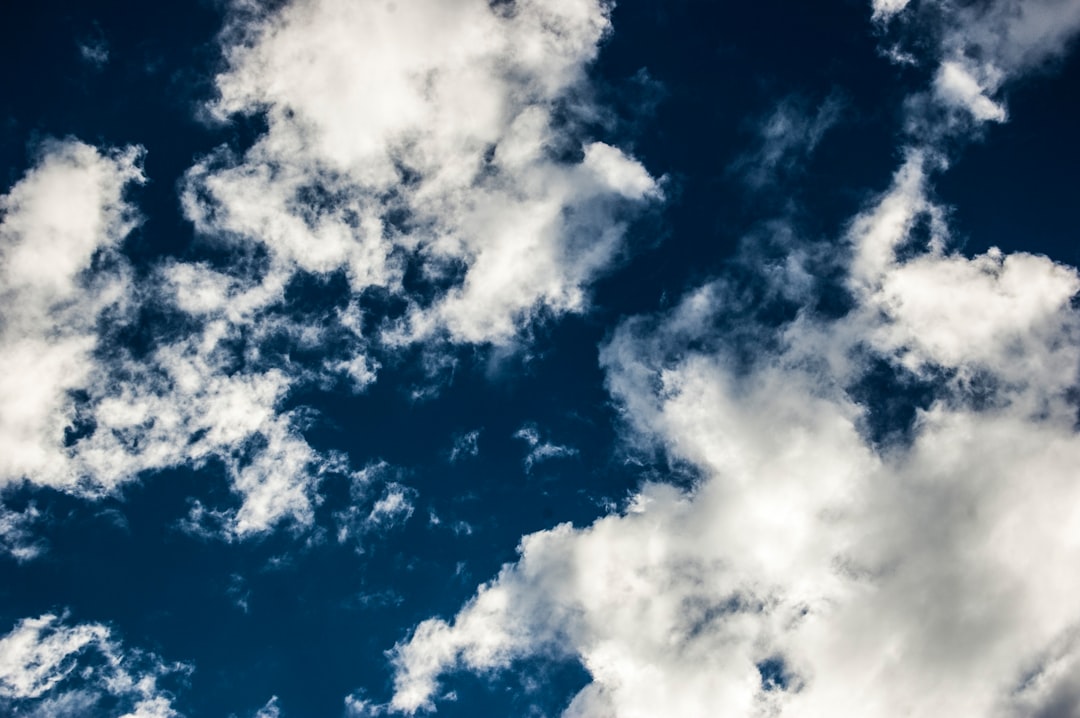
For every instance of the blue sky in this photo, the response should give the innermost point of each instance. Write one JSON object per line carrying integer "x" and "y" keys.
{"x": 539, "y": 358}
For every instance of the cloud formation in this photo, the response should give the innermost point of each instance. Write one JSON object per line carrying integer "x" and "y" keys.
{"x": 886, "y": 494}
{"x": 979, "y": 47}
{"x": 456, "y": 167}
{"x": 921, "y": 576}
{"x": 84, "y": 411}
{"x": 49, "y": 667}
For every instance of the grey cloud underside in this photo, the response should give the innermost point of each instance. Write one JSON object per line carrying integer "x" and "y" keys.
{"x": 819, "y": 567}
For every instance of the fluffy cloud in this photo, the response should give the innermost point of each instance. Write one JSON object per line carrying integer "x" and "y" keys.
{"x": 811, "y": 571}
{"x": 65, "y": 215}
{"x": 423, "y": 138}
{"x": 823, "y": 565}
{"x": 978, "y": 47}
{"x": 51, "y": 668}
{"x": 84, "y": 412}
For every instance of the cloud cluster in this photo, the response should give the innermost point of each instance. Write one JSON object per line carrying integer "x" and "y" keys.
{"x": 812, "y": 572}
{"x": 978, "y": 47}
{"x": 83, "y": 410}
{"x": 886, "y": 505}
{"x": 426, "y": 149}
{"x": 431, "y": 153}
{"x": 49, "y": 667}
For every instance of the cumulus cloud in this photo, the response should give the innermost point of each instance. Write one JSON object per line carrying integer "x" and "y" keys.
{"x": 67, "y": 213}
{"x": 49, "y": 667}
{"x": 821, "y": 565}
{"x": 83, "y": 412}
{"x": 812, "y": 571}
{"x": 448, "y": 162}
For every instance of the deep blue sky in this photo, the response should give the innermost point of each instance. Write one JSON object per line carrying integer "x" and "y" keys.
{"x": 686, "y": 87}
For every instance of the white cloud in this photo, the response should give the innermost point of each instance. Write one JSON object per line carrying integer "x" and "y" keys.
{"x": 885, "y": 9}
{"x": 84, "y": 414}
{"x": 815, "y": 569}
{"x": 446, "y": 157}
{"x": 17, "y": 536}
{"x": 979, "y": 47}
{"x": 956, "y": 85}
{"x": 540, "y": 450}
{"x": 65, "y": 213}
{"x": 49, "y": 667}
{"x": 394, "y": 506}
{"x": 272, "y": 709}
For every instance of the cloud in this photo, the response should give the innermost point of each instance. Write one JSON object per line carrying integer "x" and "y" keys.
{"x": 979, "y": 47}
{"x": 449, "y": 164}
{"x": 66, "y": 214}
{"x": 540, "y": 450}
{"x": 787, "y": 137}
{"x": 49, "y": 667}
{"x": 834, "y": 555}
{"x": 95, "y": 52}
{"x": 465, "y": 445}
{"x": 362, "y": 516}
{"x": 18, "y": 537}
{"x": 85, "y": 410}
{"x": 811, "y": 572}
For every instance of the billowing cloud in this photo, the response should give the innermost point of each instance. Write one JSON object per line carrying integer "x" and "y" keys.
{"x": 430, "y": 139}
{"x": 885, "y": 509}
{"x": 49, "y": 667}
{"x": 813, "y": 571}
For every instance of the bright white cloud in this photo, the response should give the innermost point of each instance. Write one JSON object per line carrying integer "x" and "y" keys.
{"x": 65, "y": 213}
{"x": 50, "y": 667}
{"x": 885, "y": 9}
{"x": 83, "y": 414}
{"x": 815, "y": 569}
{"x": 979, "y": 47}
{"x": 423, "y": 134}
{"x": 924, "y": 578}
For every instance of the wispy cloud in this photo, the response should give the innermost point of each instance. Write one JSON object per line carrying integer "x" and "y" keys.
{"x": 49, "y": 667}
{"x": 539, "y": 449}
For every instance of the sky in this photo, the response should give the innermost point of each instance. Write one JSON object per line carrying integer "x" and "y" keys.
{"x": 539, "y": 358}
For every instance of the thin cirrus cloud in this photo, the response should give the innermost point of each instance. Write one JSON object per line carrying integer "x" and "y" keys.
{"x": 820, "y": 567}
